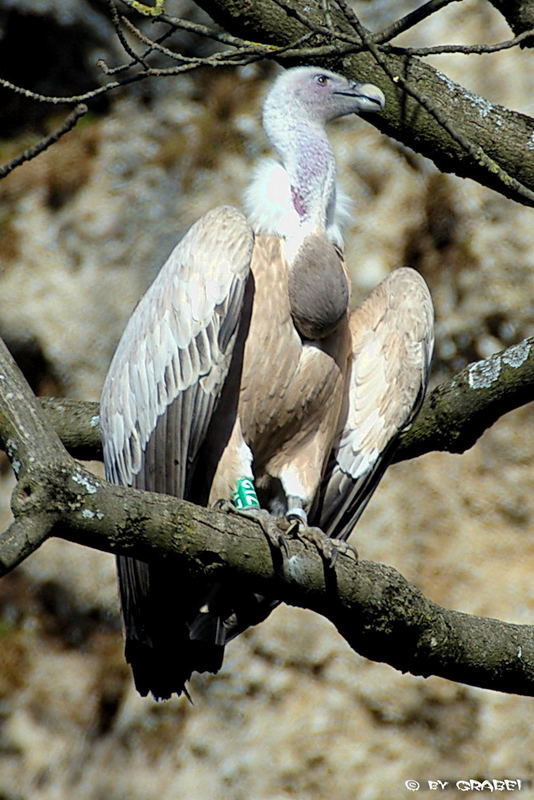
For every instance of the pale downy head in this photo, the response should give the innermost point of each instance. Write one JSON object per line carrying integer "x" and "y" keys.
{"x": 296, "y": 109}
{"x": 316, "y": 96}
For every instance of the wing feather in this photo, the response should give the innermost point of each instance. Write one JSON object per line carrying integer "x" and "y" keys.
{"x": 392, "y": 341}
{"x": 158, "y": 399}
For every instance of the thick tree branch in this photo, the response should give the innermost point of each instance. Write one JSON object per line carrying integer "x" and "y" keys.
{"x": 374, "y": 608}
{"x": 77, "y": 424}
{"x": 519, "y": 14}
{"x": 504, "y": 162}
{"x": 456, "y": 413}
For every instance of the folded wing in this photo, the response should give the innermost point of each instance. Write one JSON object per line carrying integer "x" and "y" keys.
{"x": 392, "y": 341}
{"x": 158, "y": 399}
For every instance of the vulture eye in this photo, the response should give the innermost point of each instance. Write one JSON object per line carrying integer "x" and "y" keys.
{"x": 322, "y": 80}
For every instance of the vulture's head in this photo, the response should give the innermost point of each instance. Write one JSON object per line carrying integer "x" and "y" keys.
{"x": 317, "y": 95}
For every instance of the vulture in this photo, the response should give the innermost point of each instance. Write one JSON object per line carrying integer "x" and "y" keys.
{"x": 243, "y": 376}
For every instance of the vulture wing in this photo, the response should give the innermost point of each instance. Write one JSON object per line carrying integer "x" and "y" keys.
{"x": 158, "y": 399}
{"x": 392, "y": 341}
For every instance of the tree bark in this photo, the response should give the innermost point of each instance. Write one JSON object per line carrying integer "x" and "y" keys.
{"x": 519, "y": 14}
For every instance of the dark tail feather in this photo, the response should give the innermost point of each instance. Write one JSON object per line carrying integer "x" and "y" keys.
{"x": 159, "y": 603}
{"x": 164, "y": 672}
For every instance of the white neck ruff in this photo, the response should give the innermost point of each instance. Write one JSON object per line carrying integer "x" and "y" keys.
{"x": 270, "y": 210}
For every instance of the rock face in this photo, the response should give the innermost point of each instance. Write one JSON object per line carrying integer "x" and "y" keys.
{"x": 294, "y": 712}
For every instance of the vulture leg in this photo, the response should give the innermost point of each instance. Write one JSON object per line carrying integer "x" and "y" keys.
{"x": 235, "y": 467}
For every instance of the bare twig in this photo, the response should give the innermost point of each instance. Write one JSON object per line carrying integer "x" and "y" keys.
{"x": 152, "y": 72}
{"x": 316, "y": 27}
{"x": 160, "y": 48}
{"x": 411, "y": 19}
{"x": 471, "y": 49}
{"x": 203, "y": 30}
{"x": 150, "y": 49}
{"x": 116, "y": 20}
{"x": 74, "y": 98}
{"x": 45, "y": 143}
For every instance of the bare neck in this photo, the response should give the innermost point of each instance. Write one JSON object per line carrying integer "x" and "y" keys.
{"x": 310, "y": 164}
{"x": 306, "y": 154}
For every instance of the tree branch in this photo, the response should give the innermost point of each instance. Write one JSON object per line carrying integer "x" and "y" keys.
{"x": 77, "y": 424}
{"x": 471, "y": 148}
{"x": 519, "y": 14}
{"x": 374, "y": 608}
{"x": 456, "y": 413}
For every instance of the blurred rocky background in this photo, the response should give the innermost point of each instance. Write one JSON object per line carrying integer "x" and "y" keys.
{"x": 83, "y": 230}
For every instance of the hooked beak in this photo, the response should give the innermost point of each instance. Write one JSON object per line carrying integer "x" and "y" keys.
{"x": 369, "y": 96}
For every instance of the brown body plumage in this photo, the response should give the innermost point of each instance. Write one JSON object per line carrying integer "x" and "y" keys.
{"x": 291, "y": 389}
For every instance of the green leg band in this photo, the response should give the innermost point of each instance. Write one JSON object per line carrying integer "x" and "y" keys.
{"x": 245, "y": 494}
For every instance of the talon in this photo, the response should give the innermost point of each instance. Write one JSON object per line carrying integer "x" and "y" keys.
{"x": 339, "y": 546}
{"x": 297, "y": 515}
{"x": 282, "y": 545}
{"x": 294, "y": 528}
{"x": 347, "y": 549}
{"x": 268, "y": 524}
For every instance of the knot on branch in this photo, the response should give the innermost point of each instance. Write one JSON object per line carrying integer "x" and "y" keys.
{"x": 24, "y": 497}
